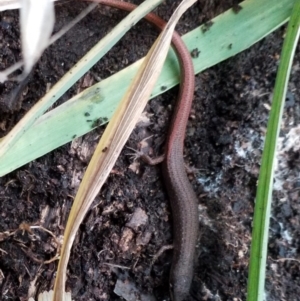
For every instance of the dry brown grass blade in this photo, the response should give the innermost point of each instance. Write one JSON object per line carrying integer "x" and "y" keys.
{"x": 114, "y": 138}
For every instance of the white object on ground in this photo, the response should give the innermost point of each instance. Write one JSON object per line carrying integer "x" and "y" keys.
{"x": 37, "y": 21}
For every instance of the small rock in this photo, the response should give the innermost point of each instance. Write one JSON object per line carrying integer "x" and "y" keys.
{"x": 138, "y": 219}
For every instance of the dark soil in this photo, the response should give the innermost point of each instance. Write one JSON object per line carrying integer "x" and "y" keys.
{"x": 130, "y": 220}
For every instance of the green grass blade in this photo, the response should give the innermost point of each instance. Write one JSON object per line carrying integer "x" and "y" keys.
{"x": 230, "y": 34}
{"x": 258, "y": 255}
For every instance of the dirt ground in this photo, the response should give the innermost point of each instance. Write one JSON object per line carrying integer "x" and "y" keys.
{"x": 113, "y": 252}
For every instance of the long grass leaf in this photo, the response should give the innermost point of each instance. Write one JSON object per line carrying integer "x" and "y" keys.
{"x": 230, "y": 34}
{"x": 258, "y": 255}
{"x": 114, "y": 138}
